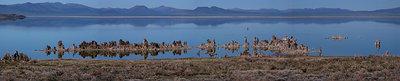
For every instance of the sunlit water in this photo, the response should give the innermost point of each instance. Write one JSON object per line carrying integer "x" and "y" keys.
{"x": 35, "y": 33}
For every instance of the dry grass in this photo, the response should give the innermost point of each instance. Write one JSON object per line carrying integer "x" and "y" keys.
{"x": 236, "y": 68}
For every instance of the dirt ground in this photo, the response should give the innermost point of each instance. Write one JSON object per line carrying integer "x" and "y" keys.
{"x": 236, "y": 68}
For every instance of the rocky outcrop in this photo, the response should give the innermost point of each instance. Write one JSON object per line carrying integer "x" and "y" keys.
{"x": 377, "y": 44}
{"x": 60, "y": 45}
{"x": 255, "y": 41}
{"x": 387, "y": 53}
{"x": 16, "y": 57}
{"x": 208, "y": 44}
{"x": 210, "y": 47}
{"x": 340, "y": 37}
{"x": 232, "y": 46}
{"x": 246, "y": 44}
{"x": 284, "y": 45}
{"x": 6, "y": 56}
{"x": 245, "y": 53}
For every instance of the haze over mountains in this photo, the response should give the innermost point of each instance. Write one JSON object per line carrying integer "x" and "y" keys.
{"x": 72, "y": 9}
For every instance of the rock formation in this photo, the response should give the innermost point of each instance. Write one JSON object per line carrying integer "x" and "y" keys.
{"x": 255, "y": 41}
{"x": 284, "y": 45}
{"x": 377, "y": 44}
{"x": 16, "y": 57}
{"x": 387, "y": 53}
{"x": 122, "y": 47}
{"x": 245, "y": 53}
{"x": 209, "y": 44}
{"x": 246, "y": 44}
{"x": 232, "y": 46}
{"x": 210, "y": 47}
{"x": 60, "y": 45}
{"x": 340, "y": 37}
{"x": 6, "y": 56}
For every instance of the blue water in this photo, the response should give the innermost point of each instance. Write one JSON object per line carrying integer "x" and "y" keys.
{"x": 35, "y": 33}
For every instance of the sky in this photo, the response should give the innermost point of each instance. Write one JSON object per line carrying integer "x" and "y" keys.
{"x": 244, "y": 4}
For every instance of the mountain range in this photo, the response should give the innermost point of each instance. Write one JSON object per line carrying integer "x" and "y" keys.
{"x": 73, "y": 9}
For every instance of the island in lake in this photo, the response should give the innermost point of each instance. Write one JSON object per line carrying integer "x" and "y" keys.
{"x": 11, "y": 17}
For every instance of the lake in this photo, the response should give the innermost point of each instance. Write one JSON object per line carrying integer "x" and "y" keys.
{"x": 30, "y": 34}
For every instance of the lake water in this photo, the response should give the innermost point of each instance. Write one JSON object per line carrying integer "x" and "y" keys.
{"x": 30, "y": 34}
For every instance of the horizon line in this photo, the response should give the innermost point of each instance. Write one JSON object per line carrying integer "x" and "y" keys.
{"x": 193, "y": 8}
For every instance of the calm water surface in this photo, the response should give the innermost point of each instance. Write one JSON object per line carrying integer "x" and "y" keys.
{"x": 35, "y": 33}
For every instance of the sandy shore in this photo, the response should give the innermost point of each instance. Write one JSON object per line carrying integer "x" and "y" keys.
{"x": 216, "y": 16}
{"x": 235, "y": 68}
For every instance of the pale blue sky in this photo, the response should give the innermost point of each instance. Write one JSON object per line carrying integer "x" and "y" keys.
{"x": 245, "y": 4}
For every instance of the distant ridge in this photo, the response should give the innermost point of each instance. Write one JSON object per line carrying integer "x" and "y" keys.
{"x": 73, "y": 9}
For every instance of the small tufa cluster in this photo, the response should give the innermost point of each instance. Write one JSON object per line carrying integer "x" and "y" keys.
{"x": 232, "y": 46}
{"x": 340, "y": 37}
{"x": 246, "y": 44}
{"x": 210, "y": 47}
{"x": 283, "y": 45}
{"x": 60, "y": 45}
{"x": 94, "y": 45}
{"x": 377, "y": 44}
{"x": 15, "y": 57}
{"x": 387, "y": 53}
{"x": 209, "y": 44}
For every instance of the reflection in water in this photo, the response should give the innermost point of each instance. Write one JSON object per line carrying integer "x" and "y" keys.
{"x": 113, "y": 53}
{"x": 4, "y": 19}
{"x": 143, "y": 22}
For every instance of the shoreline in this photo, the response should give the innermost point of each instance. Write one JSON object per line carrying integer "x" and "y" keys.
{"x": 206, "y": 17}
